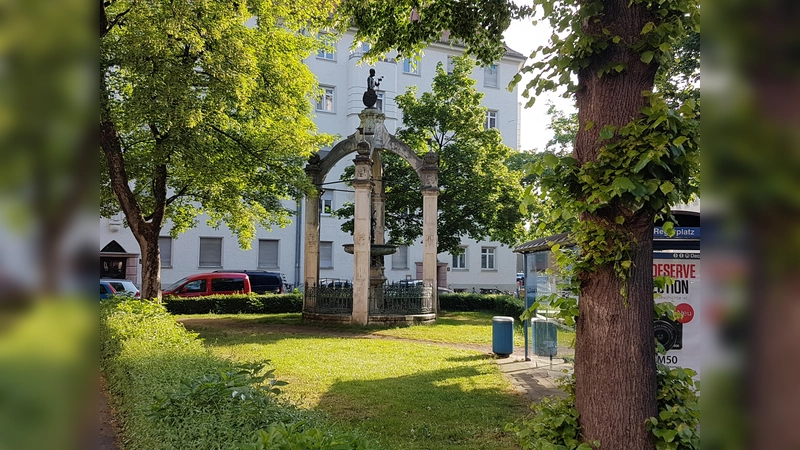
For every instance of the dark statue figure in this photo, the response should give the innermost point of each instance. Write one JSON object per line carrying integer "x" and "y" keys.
{"x": 370, "y": 97}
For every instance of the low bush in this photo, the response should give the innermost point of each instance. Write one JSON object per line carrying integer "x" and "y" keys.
{"x": 503, "y": 305}
{"x": 171, "y": 392}
{"x": 236, "y": 304}
{"x": 292, "y": 437}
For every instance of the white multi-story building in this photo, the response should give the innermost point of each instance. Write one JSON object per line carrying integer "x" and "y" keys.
{"x": 343, "y": 80}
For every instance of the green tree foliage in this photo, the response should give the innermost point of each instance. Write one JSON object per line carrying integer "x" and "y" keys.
{"x": 479, "y": 196}
{"x": 535, "y": 205}
{"x": 205, "y": 108}
{"x": 679, "y": 78}
{"x": 565, "y": 127}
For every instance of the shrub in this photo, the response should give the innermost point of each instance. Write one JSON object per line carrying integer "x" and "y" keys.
{"x": 236, "y": 304}
{"x": 504, "y": 305}
{"x": 291, "y": 437}
{"x": 172, "y": 393}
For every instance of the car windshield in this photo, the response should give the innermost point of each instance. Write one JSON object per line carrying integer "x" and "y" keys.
{"x": 176, "y": 284}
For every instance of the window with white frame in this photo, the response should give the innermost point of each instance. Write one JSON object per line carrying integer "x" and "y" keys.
{"x": 165, "y": 247}
{"x": 400, "y": 258}
{"x": 487, "y": 258}
{"x": 210, "y": 252}
{"x": 327, "y": 53}
{"x": 450, "y": 65}
{"x": 379, "y": 103}
{"x": 326, "y": 204}
{"x": 325, "y": 103}
{"x": 491, "y": 119}
{"x": 326, "y": 255}
{"x": 268, "y": 253}
{"x": 460, "y": 261}
{"x": 490, "y": 76}
{"x": 411, "y": 66}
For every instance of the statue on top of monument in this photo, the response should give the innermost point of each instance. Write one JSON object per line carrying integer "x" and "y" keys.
{"x": 370, "y": 97}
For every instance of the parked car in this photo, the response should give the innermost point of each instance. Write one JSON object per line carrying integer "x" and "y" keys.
{"x": 335, "y": 283}
{"x": 106, "y": 290}
{"x": 439, "y": 289}
{"x": 213, "y": 283}
{"x": 124, "y": 287}
{"x": 262, "y": 281}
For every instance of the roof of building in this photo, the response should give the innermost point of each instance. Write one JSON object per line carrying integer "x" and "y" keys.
{"x": 513, "y": 53}
{"x": 541, "y": 244}
{"x": 510, "y": 52}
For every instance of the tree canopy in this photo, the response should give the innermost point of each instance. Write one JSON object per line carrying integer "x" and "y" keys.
{"x": 205, "y": 108}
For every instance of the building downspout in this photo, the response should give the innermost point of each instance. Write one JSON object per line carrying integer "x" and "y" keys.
{"x": 298, "y": 242}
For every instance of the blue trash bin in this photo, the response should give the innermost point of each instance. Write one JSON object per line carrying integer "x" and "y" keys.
{"x": 502, "y": 335}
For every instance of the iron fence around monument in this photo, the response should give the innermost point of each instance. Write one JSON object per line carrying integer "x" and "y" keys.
{"x": 326, "y": 299}
{"x": 401, "y": 299}
{"x": 392, "y": 299}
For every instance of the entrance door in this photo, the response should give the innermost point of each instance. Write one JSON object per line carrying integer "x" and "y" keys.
{"x": 112, "y": 267}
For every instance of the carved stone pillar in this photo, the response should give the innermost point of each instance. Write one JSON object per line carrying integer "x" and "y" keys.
{"x": 361, "y": 234}
{"x": 311, "y": 260}
{"x": 430, "y": 210}
{"x": 378, "y": 199}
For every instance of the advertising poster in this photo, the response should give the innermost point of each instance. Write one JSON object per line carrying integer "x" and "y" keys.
{"x": 683, "y": 339}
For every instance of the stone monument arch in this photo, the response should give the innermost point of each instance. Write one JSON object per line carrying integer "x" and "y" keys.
{"x": 368, "y": 248}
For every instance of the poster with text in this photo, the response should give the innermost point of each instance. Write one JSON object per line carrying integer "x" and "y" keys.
{"x": 684, "y": 338}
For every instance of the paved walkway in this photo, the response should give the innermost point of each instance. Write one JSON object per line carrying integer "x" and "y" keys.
{"x": 535, "y": 378}
{"x": 107, "y": 440}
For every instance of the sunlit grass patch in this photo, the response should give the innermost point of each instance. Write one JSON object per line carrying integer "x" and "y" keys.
{"x": 408, "y": 395}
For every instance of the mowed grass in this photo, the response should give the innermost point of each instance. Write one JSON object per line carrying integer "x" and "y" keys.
{"x": 473, "y": 328}
{"x": 407, "y": 395}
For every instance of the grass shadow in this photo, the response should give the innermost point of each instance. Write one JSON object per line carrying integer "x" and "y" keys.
{"x": 440, "y": 409}
{"x": 470, "y": 358}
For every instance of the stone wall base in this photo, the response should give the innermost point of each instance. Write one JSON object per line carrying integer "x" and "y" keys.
{"x": 396, "y": 319}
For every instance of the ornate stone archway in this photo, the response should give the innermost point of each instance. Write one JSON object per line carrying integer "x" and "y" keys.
{"x": 370, "y": 139}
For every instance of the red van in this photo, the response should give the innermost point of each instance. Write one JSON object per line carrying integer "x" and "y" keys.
{"x": 203, "y": 284}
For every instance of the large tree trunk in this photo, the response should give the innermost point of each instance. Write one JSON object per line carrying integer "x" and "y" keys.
{"x": 615, "y": 373}
{"x": 146, "y": 232}
{"x": 151, "y": 262}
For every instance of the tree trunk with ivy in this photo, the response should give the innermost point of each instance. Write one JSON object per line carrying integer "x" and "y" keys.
{"x": 615, "y": 371}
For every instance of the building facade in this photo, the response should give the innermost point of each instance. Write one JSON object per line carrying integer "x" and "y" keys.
{"x": 343, "y": 81}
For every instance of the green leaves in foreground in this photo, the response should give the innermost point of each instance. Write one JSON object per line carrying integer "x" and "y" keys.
{"x": 245, "y": 383}
{"x": 554, "y": 424}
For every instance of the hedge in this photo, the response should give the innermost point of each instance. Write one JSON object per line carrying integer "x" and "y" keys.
{"x": 236, "y": 304}
{"x": 171, "y": 392}
{"x": 503, "y": 305}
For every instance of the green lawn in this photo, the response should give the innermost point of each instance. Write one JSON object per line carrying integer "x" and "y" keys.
{"x": 455, "y": 328}
{"x": 407, "y": 395}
